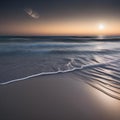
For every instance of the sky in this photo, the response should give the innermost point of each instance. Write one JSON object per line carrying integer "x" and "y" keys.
{"x": 59, "y": 17}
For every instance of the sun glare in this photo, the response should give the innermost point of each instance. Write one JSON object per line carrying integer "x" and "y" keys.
{"x": 101, "y": 26}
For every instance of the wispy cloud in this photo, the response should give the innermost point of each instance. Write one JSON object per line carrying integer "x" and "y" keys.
{"x": 32, "y": 13}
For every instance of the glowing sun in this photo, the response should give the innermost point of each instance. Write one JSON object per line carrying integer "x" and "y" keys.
{"x": 101, "y": 26}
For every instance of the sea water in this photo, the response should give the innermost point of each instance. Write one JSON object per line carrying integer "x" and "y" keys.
{"x": 96, "y": 60}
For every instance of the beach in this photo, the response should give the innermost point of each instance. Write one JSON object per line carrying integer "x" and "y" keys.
{"x": 59, "y": 78}
{"x": 60, "y": 60}
{"x": 56, "y": 97}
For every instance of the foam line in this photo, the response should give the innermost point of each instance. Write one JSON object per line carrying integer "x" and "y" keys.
{"x": 35, "y": 75}
{"x": 59, "y": 71}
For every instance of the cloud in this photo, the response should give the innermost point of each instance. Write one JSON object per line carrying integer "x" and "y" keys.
{"x": 32, "y": 13}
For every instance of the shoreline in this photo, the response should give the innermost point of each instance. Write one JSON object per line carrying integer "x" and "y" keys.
{"x": 56, "y": 97}
{"x": 60, "y": 71}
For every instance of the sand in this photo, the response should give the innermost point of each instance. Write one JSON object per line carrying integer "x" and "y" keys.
{"x": 56, "y": 97}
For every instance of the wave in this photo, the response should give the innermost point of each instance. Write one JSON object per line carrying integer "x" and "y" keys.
{"x": 69, "y": 64}
{"x": 59, "y": 38}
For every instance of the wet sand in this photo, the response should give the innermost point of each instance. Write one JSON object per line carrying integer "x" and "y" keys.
{"x": 56, "y": 97}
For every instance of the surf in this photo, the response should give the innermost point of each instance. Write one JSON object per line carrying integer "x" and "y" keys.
{"x": 60, "y": 71}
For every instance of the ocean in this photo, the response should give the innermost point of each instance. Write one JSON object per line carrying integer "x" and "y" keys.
{"x": 96, "y": 60}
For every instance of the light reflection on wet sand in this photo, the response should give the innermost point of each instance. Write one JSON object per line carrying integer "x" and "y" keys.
{"x": 61, "y": 96}
{"x": 108, "y": 104}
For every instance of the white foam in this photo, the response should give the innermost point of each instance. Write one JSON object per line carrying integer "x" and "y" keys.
{"x": 60, "y": 71}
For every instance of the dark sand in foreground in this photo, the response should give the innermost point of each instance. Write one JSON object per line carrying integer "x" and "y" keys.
{"x": 56, "y": 97}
